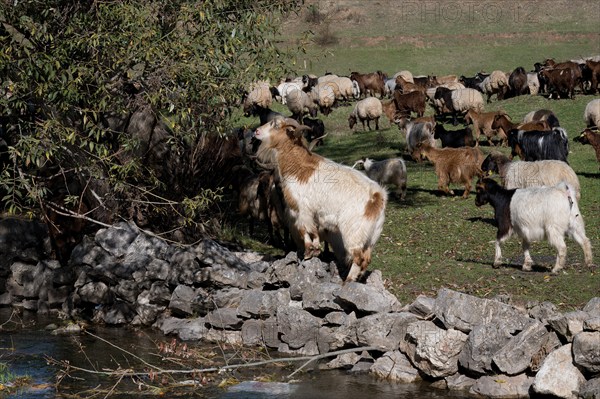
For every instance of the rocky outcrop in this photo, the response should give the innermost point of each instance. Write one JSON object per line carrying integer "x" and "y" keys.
{"x": 206, "y": 292}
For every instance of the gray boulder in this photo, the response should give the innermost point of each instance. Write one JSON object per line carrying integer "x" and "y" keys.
{"x": 383, "y": 330}
{"x": 395, "y": 366}
{"x": 262, "y": 304}
{"x": 569, "y": 324}
{"x": 502, "y": 386}
{"x": 586, "y": 351}
{"x": 366, "y": 299}
{"x": 463, "y": 312}
{"x": 482, "y": 344}
{"x": 558, "y": 376}
{"x": 297, "y": 327}
{"x": 590, "y": 389}
{"x": 432, "y": 350}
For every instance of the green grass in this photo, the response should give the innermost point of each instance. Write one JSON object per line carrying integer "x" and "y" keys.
{"x": 429, "y": 240}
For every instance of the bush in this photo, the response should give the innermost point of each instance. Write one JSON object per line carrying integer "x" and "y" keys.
{"x": 121, "y": 109}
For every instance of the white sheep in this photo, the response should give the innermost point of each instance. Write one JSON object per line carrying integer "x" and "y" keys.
{"x": 591, "y": 115}
{"x": 324, "y": 95}
{"x": 345, "y": 88}
{"x": 286, "y": 87}
{"x": 299, "y": 103}
{"x": 496, "y": 83}
{"x": 387, "y": 171}
{"x": 259, "y": 94}
{"x": 535, "y": 213}
{"x": 466, "y": 99}
{"x": 367, "y": 110}
{"x": 522, "y": 174}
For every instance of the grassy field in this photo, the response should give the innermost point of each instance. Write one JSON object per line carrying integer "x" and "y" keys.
{"x": 430, "y": 240}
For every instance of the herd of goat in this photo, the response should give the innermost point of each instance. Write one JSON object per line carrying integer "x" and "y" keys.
{"x": 317, "y": 202}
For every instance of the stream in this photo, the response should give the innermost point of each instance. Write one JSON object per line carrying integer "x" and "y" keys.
{"x": 26, "y": 344}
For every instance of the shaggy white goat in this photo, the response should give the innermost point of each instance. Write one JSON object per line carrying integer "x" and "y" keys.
{"x": 536, "y": 213}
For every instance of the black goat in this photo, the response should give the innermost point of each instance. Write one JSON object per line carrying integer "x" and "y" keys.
{"x": 537, "y": 145}
{"x": 454, "y": 138}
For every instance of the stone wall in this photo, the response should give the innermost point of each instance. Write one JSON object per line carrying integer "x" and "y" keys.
{"x": 206, "y": 292}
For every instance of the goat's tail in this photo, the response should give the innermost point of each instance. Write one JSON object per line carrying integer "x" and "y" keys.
{"x": 571, "y": 194}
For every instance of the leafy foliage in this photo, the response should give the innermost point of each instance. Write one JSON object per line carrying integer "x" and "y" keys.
{"x": 121, "y": 108}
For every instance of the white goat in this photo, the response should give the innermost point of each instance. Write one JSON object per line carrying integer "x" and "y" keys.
{"x": 536, "y": 213}
{"x": 316, "y": 192}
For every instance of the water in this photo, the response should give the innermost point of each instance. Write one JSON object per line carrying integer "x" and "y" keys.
{"x": 28, "y": 346}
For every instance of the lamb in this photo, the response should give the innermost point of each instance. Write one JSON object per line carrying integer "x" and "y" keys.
{"x": 454, "y": 138}
{"x": 555, "y": 214}
{"x": 299, "y": 103}
{"x": 482, "y": 123}
{"x": 417, "y": 133}
{"x": 591, "y": 115}
{"x": 452, "y": 165}
{"x": 460, "y": 100}
{"x": 496, "y": 83}
{"x": 367, "y": 110}
{"x": 592, "y": 138}
{"x": 521, "y": 174}
{"x": 387, "y": 171}
{"x": 318, "y": 208}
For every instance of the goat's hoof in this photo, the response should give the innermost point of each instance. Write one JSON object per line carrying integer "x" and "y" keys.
{"x": 497, "y": 265}
{"x": 527, "y": 267}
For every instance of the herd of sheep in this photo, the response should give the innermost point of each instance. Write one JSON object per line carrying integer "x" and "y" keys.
{"x": 287, "y": 194}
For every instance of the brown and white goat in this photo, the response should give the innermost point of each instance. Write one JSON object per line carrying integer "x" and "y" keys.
{"x": 316, "y": 192}
{"x": 452, "y": 165}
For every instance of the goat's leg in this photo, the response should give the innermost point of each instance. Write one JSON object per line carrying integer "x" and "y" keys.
{"x": 360, "y": 261}
{"x": 580, "y": 238}
{"x": 527, "y": 261}
{"x": 467, "y": 189}
{"x": 557, "y": 240}
{"x": 377, "y": 123}
{"x": 498, "y": 255}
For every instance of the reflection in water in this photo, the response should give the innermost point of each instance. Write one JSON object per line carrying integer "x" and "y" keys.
{"x": 26, "y": 349}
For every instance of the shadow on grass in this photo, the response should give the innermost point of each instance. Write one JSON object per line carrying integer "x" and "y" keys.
{"x": 590, "y": 175}
{"x": 490, "y": 221}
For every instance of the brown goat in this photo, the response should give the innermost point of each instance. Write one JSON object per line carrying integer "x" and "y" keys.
{"x": 452, "y": 165}
{"x": 405, "y": 87}
{"x": 389, "y": 110}
{"x": 591, "y": 138}
{"x": 370, "y": 83}
{"x": 482, "y": 124}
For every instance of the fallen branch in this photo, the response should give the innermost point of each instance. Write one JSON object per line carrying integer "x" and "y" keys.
{"x": 131, "y": 373}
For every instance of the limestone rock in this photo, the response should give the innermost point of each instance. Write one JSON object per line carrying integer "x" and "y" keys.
{"x": 432, "y": 350}
{"x": 586, "y": 351}
{"x": 502, "y": 386}
{"x": 395, "y": 366}
{"x": 558, "y": 376}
